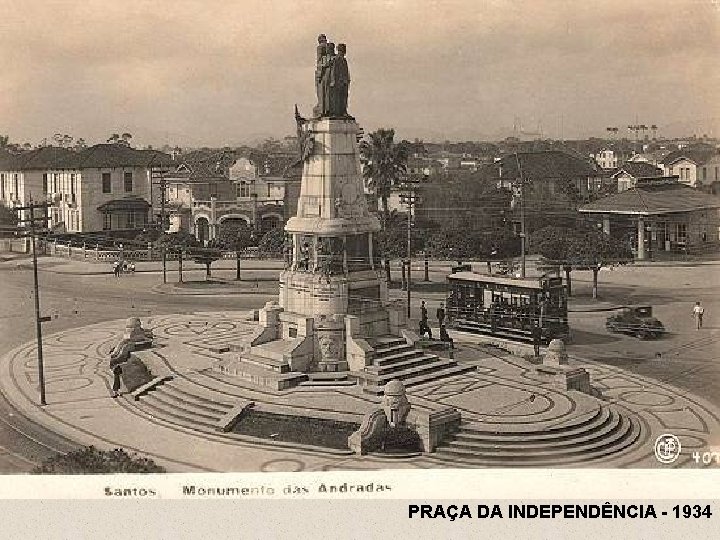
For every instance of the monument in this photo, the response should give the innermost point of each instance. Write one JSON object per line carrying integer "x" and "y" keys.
{"x": 333, "y": 314}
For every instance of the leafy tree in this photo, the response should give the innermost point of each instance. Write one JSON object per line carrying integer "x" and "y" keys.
{"x": 579, "y": 248}
{"x": 392, "y": 240}
{"x": 593, "y": 249}
{"x": 385, "y": 163}
{"x": 206, "y": 256}
{"x": 4, "y": 141}
{"x": 114, "y": 138}
{"x": 553, "y": 244}
{"x": 235, "y": 236}
{"x": 8, "y": 219}
{"x": 90, "y": 460}
{"x": 179, "y": 239}
{"x": 125, "y": 139}
{"x": 272, "y": 241}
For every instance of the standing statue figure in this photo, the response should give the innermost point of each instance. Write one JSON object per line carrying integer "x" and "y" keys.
{"x": 339, "y": 83}
{"x": 325, "y": 82}
{"x": 321, "y": 52}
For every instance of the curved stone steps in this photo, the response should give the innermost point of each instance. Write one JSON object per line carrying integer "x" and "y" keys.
{"x": 184, "y": 399}
{"x": 611, "y": 426}
{"x": 600, "y": 419}
{"x": 620, "y": 437}
{"x": 157, "y": 407}
{"x": 540, "y": 429}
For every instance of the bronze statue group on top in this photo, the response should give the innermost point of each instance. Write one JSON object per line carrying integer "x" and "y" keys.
{"x": 332, "y": 80}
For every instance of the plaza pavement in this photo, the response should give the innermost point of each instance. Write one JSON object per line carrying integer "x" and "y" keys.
{"x": 502, "y": 390}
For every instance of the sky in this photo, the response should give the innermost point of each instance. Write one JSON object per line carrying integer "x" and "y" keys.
{"x": 218, "y": 73}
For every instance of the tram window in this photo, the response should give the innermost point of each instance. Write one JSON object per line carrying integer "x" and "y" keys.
{"x": 487, "y": 297}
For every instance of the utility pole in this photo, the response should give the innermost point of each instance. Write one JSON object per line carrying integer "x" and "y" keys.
{"x": 180, "y": 264}
{"x": 410, "y": 199}
{"x": 522, "y": 217}
{"x": 38, "y": 318}
{"x": 162, "y": 182}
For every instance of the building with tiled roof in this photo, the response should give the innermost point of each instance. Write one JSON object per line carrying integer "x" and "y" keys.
{"x": 88, "y": 187}
{"x": 695, "y": 166}
{"x": 208, "y": 190}
{"x": 553, "y": 184}
{"x": 627, "y": 174}
{"x": 659, "y": 214}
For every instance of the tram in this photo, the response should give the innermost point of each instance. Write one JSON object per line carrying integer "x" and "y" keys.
{"x": 507, "y": 307}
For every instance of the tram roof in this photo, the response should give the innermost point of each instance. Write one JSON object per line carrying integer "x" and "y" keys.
{"x": 526, "y": 283}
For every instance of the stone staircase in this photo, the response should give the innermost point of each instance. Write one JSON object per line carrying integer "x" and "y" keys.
{"x": 177, "y": 403}
{"x": 587, "y": 438}
{"x": 394, "y": 358}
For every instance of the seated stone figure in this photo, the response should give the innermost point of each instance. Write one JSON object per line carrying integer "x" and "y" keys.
{"x": 134, "y": 338}
{"x": 384, "y": 423}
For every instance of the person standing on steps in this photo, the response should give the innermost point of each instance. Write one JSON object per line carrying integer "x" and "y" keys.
{"x": 698, "y": 312}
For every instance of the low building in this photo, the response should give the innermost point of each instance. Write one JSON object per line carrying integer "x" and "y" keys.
{"x": 695, "y": 167}
{"x": 659, "y": 215}
{"x": 551, "y": 183}
{"x": 627, "y": 174}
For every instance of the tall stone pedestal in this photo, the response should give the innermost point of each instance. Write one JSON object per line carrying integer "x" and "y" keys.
{"x": 332, "y": 269}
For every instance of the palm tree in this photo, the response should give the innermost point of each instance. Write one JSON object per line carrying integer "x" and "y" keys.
{"x": 385, "y": 164}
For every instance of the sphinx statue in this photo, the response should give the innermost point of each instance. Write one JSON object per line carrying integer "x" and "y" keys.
{"x": 135, "y": 338}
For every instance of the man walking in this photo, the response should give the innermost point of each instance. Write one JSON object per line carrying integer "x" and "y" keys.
{"x": 698, "y": 312}
{"x": 424, "y": 326}
{"x": 440, "y": 314}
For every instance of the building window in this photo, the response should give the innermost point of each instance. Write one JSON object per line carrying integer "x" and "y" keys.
{"x": 128, "y": 181}
{"x": 130, "y": 220}
{"x": 681, "y": 229}
{"x": 45, "y": 183}
{"x": 243, "y": 190}
{"x": 55, "y": 183}
{"x": 2, "y": 186}
{"x": 704, "y": 173}
{"x": 16, "y": 186}
{"x": 107, "y": 222}
{"x": 106, "y": 184}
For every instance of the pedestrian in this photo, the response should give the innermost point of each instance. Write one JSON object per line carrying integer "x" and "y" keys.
{"x": 445, "y": 337}
{"x": 132, "y": 268}
{"x": 116, "y": 269}
{"x": 117, "y": 372}
{"x": 698, "y": 312}
{"x": 424, "y": 326}
{"x": 536, "y": 337}
{"x": 440, "y": 314}
{"x": 423, "y": 312}
{"x": 493, "y": 316}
